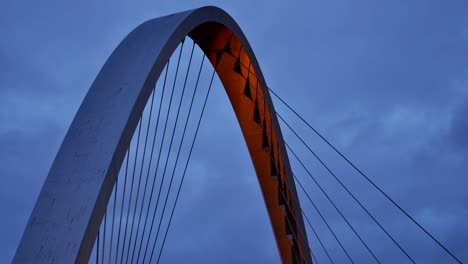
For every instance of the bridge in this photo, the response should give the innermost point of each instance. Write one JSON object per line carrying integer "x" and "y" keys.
{"x": 112, "y": 192}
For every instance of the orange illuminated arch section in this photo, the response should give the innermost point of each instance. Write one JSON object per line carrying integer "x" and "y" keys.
{"x": 254, "y": 110}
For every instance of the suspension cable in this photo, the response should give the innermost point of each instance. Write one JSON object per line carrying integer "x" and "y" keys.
{"x": 317, "y": 236}
{"x": 138, "y": 190}
{"x": 320, "y": 214}
{"x": 315, "y": 233}
{"x": 131, "y": 189}
{"x": 104, "y": 237}
{"x": 326, "y": 223}
{"x": 97, "y": 247}
{"x": 151, "y": 159}
{"x": 314, "y": 258}
{"x": 357, "y": 169}
{"x": 185, "y": 169}
{"x": 164, "y": 134}
{"x": 331, "y": 201}
{"x": 179, "y": 150}
{"x": 367, "y": 179}
{"x": 113, "y": 219}
{"x": 342, "y": 247}
{"x": 122, "y": 209}
{"x": 145, "y": 186}
{"x": 173, "y": 134}
{"x": 342, "y": 185}
{"x": 302, "y": 231}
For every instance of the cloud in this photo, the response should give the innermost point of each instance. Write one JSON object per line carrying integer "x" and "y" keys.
{"x": 459, "y": 128}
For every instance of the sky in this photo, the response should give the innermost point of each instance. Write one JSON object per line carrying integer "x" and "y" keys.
{"x": 385, "y": 81}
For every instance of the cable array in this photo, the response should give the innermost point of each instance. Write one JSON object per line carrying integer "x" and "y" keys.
{"x": 360, "y": 172}
{"x": 135, "y": 212}
{"x": 134, "y": 207}
{"x": 348, "y": 191}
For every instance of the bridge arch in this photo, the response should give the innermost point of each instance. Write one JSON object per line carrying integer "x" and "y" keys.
{"x": 65, "y": 220}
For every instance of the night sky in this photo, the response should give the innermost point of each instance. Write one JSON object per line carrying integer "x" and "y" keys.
{"x": 385, "y": 81}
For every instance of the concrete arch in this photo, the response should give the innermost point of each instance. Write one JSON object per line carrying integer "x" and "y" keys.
{"x": 65, "y": 220}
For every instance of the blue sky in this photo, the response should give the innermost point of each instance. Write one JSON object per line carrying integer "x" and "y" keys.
{"x": 386, "y": 81}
